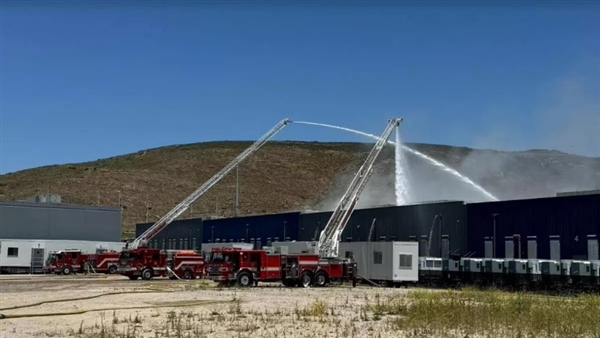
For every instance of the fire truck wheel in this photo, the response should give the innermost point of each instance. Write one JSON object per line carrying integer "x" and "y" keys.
{"x": 66, "y": 270}
{"x": 306, "y": 279}
{"x": 112, "y": 269}
{"x": 320, "y": 279}
{"x": 147, "y": 274}
{"x": 187, "y": 274}
{"x": 244, "y": 279}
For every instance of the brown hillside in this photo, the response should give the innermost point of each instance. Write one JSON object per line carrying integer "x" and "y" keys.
{"x": 286, "y": 176}
{"x": 280, "y": 176}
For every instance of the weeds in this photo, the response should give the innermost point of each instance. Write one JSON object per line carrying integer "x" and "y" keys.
{"x": 472, "y": 312}
{"x": 386, "y": 314}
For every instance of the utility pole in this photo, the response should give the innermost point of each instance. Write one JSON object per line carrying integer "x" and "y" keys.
{"x": 147, "y": 209}
{"x": 217, "y": 207}
{"x": 237, "y": 190}
{"x": 120, "y": 208}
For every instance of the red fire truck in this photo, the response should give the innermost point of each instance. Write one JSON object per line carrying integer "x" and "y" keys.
{"x": 70, "y": 261}
{"x": 138, "y": 260}
{"x": 148, "y": 263}
{"x": 247, "y": 267}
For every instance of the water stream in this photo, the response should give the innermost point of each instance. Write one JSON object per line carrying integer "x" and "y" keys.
{"x": 401, "y": 181}
{"x": 414, "y": 152}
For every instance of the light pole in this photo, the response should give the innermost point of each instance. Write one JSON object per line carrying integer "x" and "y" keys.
{"x": 237, "y": 190}
{"x": 494, "y": 236}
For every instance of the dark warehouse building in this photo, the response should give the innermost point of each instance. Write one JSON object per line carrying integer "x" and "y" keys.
{"x": 443, "y": 228}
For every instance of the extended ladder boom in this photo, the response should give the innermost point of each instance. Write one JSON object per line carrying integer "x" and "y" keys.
{"x": 331, "y": 234}
{"x": 185, "y": 204}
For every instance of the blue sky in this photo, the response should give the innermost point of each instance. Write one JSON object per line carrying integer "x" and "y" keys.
{"x": 83, "y": 81}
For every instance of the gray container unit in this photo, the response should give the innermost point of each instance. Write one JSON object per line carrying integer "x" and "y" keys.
{"x": 452, "y": 269}
{"x": 493, "y": 270}
{"x": 472, "y": 269}
{"x": 391, "y": 262}
{"x": 581, "y": 273}
{"x": 430, "y": 268}
{"x": 517, "y": 271}
{"x": 551, "y": 272}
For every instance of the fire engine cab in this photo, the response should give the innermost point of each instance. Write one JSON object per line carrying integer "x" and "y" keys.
{"x": 247, "y": 267}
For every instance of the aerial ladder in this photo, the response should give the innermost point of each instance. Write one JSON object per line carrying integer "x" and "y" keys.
{"x": 329, "y": 239}
{"x": 157, "y": 227}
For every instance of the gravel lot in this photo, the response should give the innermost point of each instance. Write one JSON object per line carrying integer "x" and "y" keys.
{"x": 166, "y": 308}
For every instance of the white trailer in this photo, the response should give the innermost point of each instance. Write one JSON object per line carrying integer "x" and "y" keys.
{"x": 30, "y": 255}
{"x": 389, "y": 262}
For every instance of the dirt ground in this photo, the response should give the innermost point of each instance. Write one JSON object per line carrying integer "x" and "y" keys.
{"x": 118, "y": 307}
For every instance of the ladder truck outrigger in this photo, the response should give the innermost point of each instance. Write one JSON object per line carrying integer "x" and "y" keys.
{"x": 138, "y": 260}
{"x": 230, "y": 266}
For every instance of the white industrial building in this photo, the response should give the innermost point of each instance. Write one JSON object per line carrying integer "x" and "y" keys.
{"x": 30, "y": 231}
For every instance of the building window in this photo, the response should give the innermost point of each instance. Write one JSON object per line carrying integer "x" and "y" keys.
{"x": 377, "y": 257}
{"x": 13, "y": 252}
{"x": 194, "y": 247}
{"x": 405, "y": 261}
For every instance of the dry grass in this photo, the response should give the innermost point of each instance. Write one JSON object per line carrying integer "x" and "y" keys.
{"x": 488, "y": 314}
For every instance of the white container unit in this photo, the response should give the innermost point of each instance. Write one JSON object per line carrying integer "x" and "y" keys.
{"x": 26, "y": 255}
{"x": 393, "y": 262}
